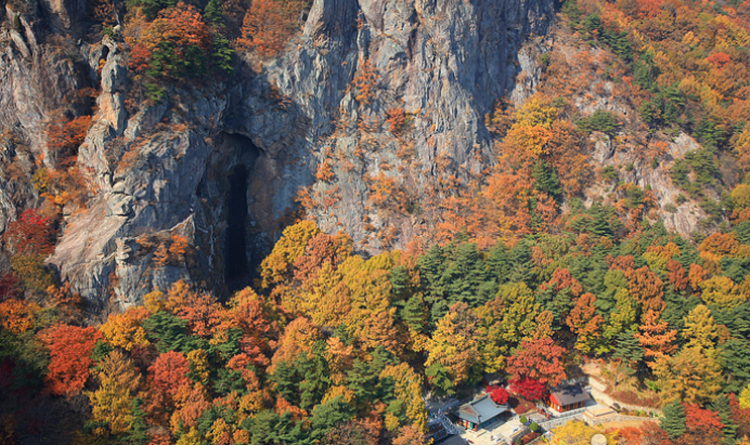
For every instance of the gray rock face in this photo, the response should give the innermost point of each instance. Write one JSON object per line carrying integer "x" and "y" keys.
{"x": 181, "y": 170}
{"x": 162, "y": 171}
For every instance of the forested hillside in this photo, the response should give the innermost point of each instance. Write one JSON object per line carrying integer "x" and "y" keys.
{"x": 194, "y": 252}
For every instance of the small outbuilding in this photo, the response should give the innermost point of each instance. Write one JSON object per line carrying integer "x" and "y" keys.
{"x": 479, "y": 413}
{"x": 568, "y": 397}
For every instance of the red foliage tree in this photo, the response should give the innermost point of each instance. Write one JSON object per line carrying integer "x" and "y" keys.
{"x": 30, "y": 234}
{"x": 260, "y": 333}
{"x": 538, "y": 359}
{"x": 8, "y": 286}
{"x": 167, "y": 376}
{"x": 622, "y": 262}
{"x": 648, "y": 288}
{"x": 203, "y": 312}
{"x": 269, "y": 24}
{"x": 169, "y": 373}
{"x": 528, "y": 388}
{"x": 701, "y": 426}
{"x": 321, "y": 249}
{"x": 70, "y": 357}
{"x": 497, "y": 394}
{"x": 651, "y": 434}
{"x": 719, "y": 60}
{"x": 741, "y": 417}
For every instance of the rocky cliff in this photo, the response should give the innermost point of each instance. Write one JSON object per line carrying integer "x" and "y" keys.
{"x": 373, "y": 101}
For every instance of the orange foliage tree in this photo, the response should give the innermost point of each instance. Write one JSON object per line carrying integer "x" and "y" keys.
{"x": 585, "y": 323}
{"x": 538, "y": 359}
{"x": 70, "y": 357}
{"x": 18, "y": 316}
{"x": 65, "y": 136}
{"x": 269, "y": 24}
{"x": 177, "y": 43}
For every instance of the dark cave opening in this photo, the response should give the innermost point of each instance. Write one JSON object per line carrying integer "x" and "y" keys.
{"x": 235, "y": 252}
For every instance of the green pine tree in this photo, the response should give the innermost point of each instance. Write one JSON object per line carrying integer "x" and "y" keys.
{"x": 674, "y": 419}
{"x": 414, "y": 314}
{"x": 439, "y": 380}
{"x": 722, "y": 407}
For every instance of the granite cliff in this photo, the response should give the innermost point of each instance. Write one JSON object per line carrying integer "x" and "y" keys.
{"x": 369, "y": 95}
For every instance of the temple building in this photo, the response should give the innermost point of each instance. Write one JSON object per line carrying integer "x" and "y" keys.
{"x": 479, "y": 413}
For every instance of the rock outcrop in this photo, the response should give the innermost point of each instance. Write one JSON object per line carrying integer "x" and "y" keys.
{"x": 220, "y": 166}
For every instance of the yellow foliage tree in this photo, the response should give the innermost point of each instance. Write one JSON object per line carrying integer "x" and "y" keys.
{"x": 155, "y": 301}
{"x": 408, "y": 392}
{"x": 744, "y": 399}
{"x": 199, "y": 365}
{"x": 723, "y": 292}
{"x": 700, "y": 328}
{"x": 456, "y": 344}
{"x": 18, "y": 316}
{"x": 369, "y": 288}
{"x": 124, "y": 330}
{"x": 693, "y": 375}
{"x": 578, "y": 433}
{"x": 275, "y": 268}
{"x": 118, "y": 386}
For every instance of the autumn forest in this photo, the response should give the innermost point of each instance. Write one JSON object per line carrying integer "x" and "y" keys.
{"x": 535, "y": 269}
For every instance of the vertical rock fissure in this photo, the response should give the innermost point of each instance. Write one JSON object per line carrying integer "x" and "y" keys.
{"x": 235, "y": 253}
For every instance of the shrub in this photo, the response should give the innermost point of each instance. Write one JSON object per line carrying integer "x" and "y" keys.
{"x": 534, "y": 427}
{"x": 523, "y": 419}
{"x": 544, "y": 60}
{"x": 609, "y": 173}
{"x": 601, "y": 120}
{"x": 31, "y": 270}
{"x": 395, "y": 118}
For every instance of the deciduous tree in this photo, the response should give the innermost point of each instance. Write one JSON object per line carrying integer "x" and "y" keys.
{"x": 455, "y": 344}
{"x": 693, "y": 375}
{"x": 539, "y": 359}
{"x": 70, "y": 357}
{"x": 118, "y": 386}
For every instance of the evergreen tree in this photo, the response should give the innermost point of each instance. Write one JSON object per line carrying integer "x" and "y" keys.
{"x": 286, "y": 381}
{"x": 213, "y": 14}
{"x": 400, "y": 283}
{"x": 546, "y": 179}
{"x": 734, "y": 357}
{"x": 313, "y": 370}
{"x": 521, "y": 265}
{"x": 498, "y": 263}
{"x": 465, "y": 275}
{"x": 167, "y": 332}
{"x": 628, "y": 348}
{"x": 327, "y": 415}
{"x": 414, "y": 314}
{"x": 267, "y": 427}
{"x": 722, "y": 406}
{"x": 138, "y": 433}
{"x": 431, "y": 267}
{"x": 439, "y": 380}
{"x": 674, "y": 419}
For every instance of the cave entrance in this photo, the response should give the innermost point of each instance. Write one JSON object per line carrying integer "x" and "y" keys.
{"x": 235, "y": 250}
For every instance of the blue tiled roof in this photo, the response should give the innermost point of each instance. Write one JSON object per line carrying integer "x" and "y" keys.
{"x": 481, "y": 410}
